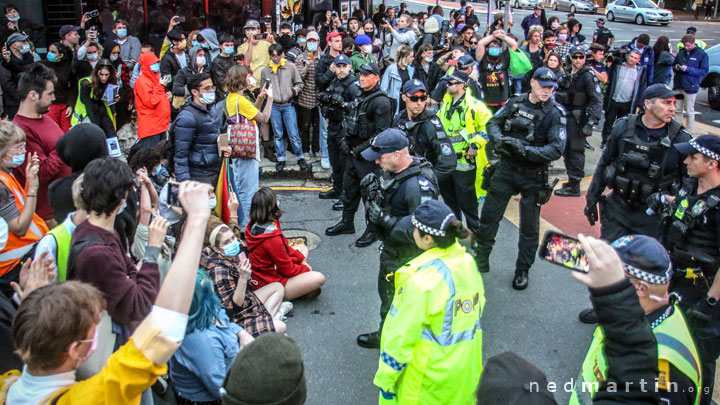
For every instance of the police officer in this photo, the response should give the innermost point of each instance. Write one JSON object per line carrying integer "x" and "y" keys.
{"x": 404, "y": 183}
{"x": 342, "y": 89}
{"x": 691, "y": 234}
{"x": 647, "y": 265}
{"x": 425, "y": 132}
{"x": 372, "y": 114}
{"x": 637, "y": 161}
{"x": 602, "y": 35}
{"x": 464, "y": 118}
{"x": 580, "y": 93}
{"x": 528, "y": 133}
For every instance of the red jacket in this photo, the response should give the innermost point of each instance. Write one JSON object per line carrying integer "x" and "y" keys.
{"x": 151, "y": 103}
{"x": 271, "y": 257}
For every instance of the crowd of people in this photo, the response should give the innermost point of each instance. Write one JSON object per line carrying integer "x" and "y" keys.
{"x": 139, "y": 248}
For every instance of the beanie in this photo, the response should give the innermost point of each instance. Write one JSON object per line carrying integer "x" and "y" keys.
{"x": 268, "y": 371}
{"x": 431, "y": 26}
{"x": 82, "y": 144}
{"x": 362, "y": 39}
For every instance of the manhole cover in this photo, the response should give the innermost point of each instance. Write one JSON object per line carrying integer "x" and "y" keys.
{"x": 301, "y": 237}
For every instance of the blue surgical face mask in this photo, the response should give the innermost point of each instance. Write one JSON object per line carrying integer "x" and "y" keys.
{"x": 51, "y": 57}
{"x": 428, "y": 59}
{"x": 301, "y": 40}
{"x": 122, "y": 32}
{"x": 494, "y": 51}
{"x": 17, "y": 160}
{"x": 205, "y": 45}
{"x": 213, "y": 201}
{"x": 232, "y": 249}
{"x": 92, "y": 56}
{"x": 155, "y": 67}
{"x": 229, "y": 50}
{"x": 562, "y": 37}
{"x": 123, "y": 207}
{"x": 207, "y": 98}
{"x": 114, "y": 57}
{"x": 14, "y": 19}
{"x": 25, "y": 48}
{"x": 312, "y": 46}
{"x": 195, "y": 43}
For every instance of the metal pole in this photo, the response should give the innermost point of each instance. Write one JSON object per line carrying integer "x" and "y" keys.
{"x": 507, "y": 16}
{"x": 716, "y": 7}
{"x": 489, "y": 13}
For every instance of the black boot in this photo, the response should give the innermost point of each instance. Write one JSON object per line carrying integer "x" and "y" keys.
{"x": 569, "y": 189}
{"x": 369, "y": 340}
{"x": 268, "y": 152}
{"x": 588, "y": 316}
{"x": 520, "y": 282}
{"x": 345, "y": 226}
{"x": 331, "y": 194}
{"x": 482, "y": 260}
{"x": 338, "y": 205}
{"x": 368, "y": 238}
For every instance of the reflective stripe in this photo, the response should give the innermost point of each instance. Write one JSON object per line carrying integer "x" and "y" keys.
{"x": 390, "y": 361}
{"x": 456, "y": 138}
{"x": 679, "y": 348}
{"x": 446, "y": 337}
{"x": 393, "y": 310}
{"x": 464, "y": 166}
{"x": 583, "y": 397}
{"x": 15, "y": 254}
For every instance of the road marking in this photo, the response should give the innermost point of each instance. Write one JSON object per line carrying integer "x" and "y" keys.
{"x": 299, "y": 188}
{"x": 716, "y": 121}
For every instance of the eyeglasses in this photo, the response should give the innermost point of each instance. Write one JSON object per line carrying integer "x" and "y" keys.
{"x": 415, "y": 99}
{"x": 208, "y": 88}
{"x": 473, "y": 42}
{"x": 578, "y": 56}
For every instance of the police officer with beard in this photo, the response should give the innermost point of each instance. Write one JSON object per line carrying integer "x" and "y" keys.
{"x": 343, "y": 88}
{"x": 405, "y": 182}
{"x": 528, "y": 133}
{"x": 372, "y": 113}
{"x": 638, "y": 160}
{"x": 580, "y": 93}
{"x": 426, "y": 135}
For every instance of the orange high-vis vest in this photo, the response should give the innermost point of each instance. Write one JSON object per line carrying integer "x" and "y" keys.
{"x": 18, "y": 246}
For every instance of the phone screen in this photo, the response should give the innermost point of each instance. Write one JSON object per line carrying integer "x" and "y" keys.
{"x": 172, "y": 195}
{"x": 93, "y": 14}
{"x": 564, "y": 251}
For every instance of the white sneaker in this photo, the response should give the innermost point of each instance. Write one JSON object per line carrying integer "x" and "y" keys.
{"x": 325, "y": 163}
{"x": 285, "y": 308}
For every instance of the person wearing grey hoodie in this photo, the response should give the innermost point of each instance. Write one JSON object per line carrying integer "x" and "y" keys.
{"x": 210, "y": 43}
{"x": 198, "y": 64}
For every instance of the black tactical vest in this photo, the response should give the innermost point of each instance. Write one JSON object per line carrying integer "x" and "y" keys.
{"x": 523, "y": 121}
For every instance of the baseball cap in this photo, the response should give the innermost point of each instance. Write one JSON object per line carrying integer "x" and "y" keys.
{"x": 460, "y": 76}
{"x": 600, "y": 20}
{"x": 66, "y": 29}
{"x": 413, "y": 86}
{"x": 508, "y": 379}
{"x": 577, "y": 49}
{"x": 302, "y": 32}
{"x": 333, "y": 35}
{"x": 15, "y": 38}
{"x": 432, "y": 217}
{"x": 644, "y": 258}
{"x": 369, "y": 68}
{"x": 545, "y": 77}
{"x": 251, "y": 24}
{"x": 313, "y": 35}
{"x": 661, "y": 91}
{"x": 708, "y": 145}
{"x": 387, "y": 141}
{"x": 341, "y": 59}
{"x": 362, "y": 39}
{"x": 465, "y": 61}
{"x": 691, "y": 29}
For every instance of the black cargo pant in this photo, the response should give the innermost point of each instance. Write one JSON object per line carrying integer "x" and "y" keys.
{"x": 618, "y": 218}
{"x": 355, "y": 170}
{"x": 574, "y": 154}
{"x": 389, "y": 263}
{"x": 337, "y": 159}
{"x": 507, "y": 181}
{"x": 309, "y": 123}
{"x": 458, "y": 193}
{"x": 614, "y": 112}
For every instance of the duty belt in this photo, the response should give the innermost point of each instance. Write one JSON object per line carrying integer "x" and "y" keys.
{"x": 694, "y": 274}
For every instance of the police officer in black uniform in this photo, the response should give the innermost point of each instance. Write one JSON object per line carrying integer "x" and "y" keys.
{"x": 528, "y": 133}
{"x": 424, "y": 130}
{"x": 371, "y": 114}
{"x": 580, "y": 93}
{"x": 602, "y": 35}
{"x": 343, "y": 88}
{"x": 405, "y": 182}
{"x": 691, "y": 233}
{"x": 637, "y": 161}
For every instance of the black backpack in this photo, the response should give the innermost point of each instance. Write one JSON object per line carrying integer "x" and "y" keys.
{"x": 197, "y": 116}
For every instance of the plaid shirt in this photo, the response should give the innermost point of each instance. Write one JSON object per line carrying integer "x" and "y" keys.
{"x": 308, "y": 96}
{"x": 563, "y": 50}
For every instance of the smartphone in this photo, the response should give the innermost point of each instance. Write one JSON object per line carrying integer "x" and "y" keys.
{"x": 267, "y": 84}
{"x": 93, "y": 14}
{"x": 180, "y": 19}
{"x": 260, "y": 36}
{"x": 172, "y": 194}
{"x": 564, "y": 251}
{"x": 222, "y": 141}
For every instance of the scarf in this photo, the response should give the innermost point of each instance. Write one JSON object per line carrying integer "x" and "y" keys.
{"x": 275, "y": 67}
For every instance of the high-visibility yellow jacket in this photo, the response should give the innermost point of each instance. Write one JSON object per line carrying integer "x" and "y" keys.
{"x": 431, "y": 346}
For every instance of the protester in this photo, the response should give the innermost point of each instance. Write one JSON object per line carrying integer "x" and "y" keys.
{"x": 627, "y": 83}
{"x": 16, "y": 58}
{"x": 129, "y": 45}
{"x": 397, "y": 74}
{"x": 394, "y": 39}
{"x": 92, "y": 104}
{"x": 493, "y": 55}
{"x": 691, "y": 66}
{"x": 59, "y": 59}
{"x": 575, "y": 37}
{"x": 151, "y": 103}
{"x": 224, "y": 61}
{"x": 307, "y": 104}
{"x": 15, "y": 23}
{"x": 426, "y": 69}
{"x": 198, "y": 63}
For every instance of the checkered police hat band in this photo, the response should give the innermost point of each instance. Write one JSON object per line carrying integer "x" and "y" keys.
{"x": 705, "y": 151}
{"x": 648, "y": 277}
{"x": 432, "y": 231}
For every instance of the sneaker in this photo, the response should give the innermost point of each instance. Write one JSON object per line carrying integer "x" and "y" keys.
{"x": 160, "y": 387}
{"x": 280, "y": 166}
{"x": 303, "y": 164}
{"x": 285, "y": 308}
{"x": 325, "y": 163}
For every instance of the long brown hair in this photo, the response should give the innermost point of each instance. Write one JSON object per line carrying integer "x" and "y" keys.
{"x": 98, "y": 87}
{"x": 264, "y": 207}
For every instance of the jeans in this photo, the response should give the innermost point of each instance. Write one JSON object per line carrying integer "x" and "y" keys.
{"x": 285, "y": 113}
{"x": 246, "y": 176}
{"x": 323, "y": 135}
{"x": 688, "y": 103}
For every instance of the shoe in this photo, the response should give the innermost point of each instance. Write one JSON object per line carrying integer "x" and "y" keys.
{"x": 569, "y": 189}
{"x": 338, "y": 206}
{"x": 588, "y": 316}
{"x": 325, "y": 163}
{"x": 304, "y": 165}
{"x": 340, "y": 228}
{"x": 368, "y": 238}
{"x": 331, "y": 194}
{"x": 280, "y": 166}
{"x": 482, "y": 261}
{"x": 369, "y": 340}
{"x": 160, "y": 387}
{"x": 268, "y": 153}
{"x": 520, "y": 282}
{"x": 285, "y": 308}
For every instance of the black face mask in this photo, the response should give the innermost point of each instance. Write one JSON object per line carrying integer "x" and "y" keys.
{"x": 286, "y": 41}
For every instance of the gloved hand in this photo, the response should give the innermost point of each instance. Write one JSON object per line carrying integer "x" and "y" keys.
{"x": 587, "y": 130}
{"x": 591, "y": 213}
{"x": 379, "y": 217}
{"x": 367, "y": 180}
{"x": 514, "y": 145}
{"x": 345, "y": 148}
{"x": 701, "y": 312}
{"x": 337, "y": 99}
{"x": 656, "y": 203}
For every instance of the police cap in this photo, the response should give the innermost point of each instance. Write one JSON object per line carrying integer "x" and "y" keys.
{"x": 661, "y": 91}
{"x": 708, "y": 145}
{"x": 432, "y": 217}
{"x": 341, "y": 59}
{"x": 369, "y": 68}
{"x": 413, "y": 86}
{"x": 387, "y": 141}
{"x": 545, "y": 77}
{"x": 465, "y": 61}
{"x": 644, "y": 258}
{"x": 460, "y": 76}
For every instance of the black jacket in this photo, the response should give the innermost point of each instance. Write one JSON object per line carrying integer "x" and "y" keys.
{"x": 350, "y": 90}
{"x": 323, "y": 75}
{"x": 35, "y": 31}
{"x": 428, "y": 139}
{"x": 377, "y": 116}
{"x": 15, "y": 67}
{"x": 640, "y": 85}
{"x": 96, "y": 109}
{"x": 169, "y": 65}
{"x": 219, "y": 69}
{"x": 66, "y": 87}
{"x": 432, "y": 77}
{"x": 196, "y": 151}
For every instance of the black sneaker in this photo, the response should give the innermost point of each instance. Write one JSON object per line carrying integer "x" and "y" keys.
{"x": 280, "y": 166}
{"x": 303, "y": 164}
{"x": 588, "y": 316}
{"x": 331, "y": 194}
{"x": 369, "y": 340}
{"x": 520, "y": 282}
{"x": 338, "y": 205}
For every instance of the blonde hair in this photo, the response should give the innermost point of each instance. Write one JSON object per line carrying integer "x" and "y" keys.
{"x": 76, "y": 191}
{"x": 10, "y": 134}
{"x": 534, "y": 29}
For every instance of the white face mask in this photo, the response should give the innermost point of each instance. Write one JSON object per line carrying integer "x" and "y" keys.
{"x": 367, "y": 49}
{"x": 200, "y": 61}
{"x": 251, "y": 81}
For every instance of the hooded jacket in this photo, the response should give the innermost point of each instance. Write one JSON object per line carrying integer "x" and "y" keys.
{"x": 211, "y": 38}
{"x": 697, "y": 68}
{"x": 151, "y": 103}
{"x": 180, "y": 80}
{"x": 271, "y": 257}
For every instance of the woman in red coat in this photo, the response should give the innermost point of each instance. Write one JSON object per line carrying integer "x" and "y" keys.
{"x": 271, "y": 257}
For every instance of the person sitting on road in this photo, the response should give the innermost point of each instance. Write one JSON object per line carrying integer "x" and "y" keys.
{"x": 271, "y": 256}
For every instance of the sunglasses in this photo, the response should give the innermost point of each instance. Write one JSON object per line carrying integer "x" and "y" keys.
{"x": 578, "y": 56}
{"x": 453, "y": 83}
{"x": 415, "y": 99}
{"x": 473, "y": 42}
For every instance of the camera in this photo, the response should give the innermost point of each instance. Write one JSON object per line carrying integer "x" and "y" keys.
{"x": 443, "y": 34}
{"x": 384, "y": 21}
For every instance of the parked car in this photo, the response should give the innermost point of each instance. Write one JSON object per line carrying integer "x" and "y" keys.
{"x": 575, "y": 5}
{"x": 640, "y": 11}
{"x": 522, "y": 3}
{"x": 711, "y": 82}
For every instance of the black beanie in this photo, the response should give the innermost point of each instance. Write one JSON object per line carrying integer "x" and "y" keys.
{"x": 508, "y": 379}
{"x": 268, "y": 371}
{"x": 82, "y": 144}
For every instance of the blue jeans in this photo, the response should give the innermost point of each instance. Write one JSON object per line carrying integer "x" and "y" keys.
{"x": 285, "y": 113}
{"x": 323, "y": 136}
{"x": 246, "y": 174}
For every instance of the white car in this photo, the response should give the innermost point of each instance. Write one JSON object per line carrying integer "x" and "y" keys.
{"x": 522, "y": 3}
{"x": 639, "y": 11}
